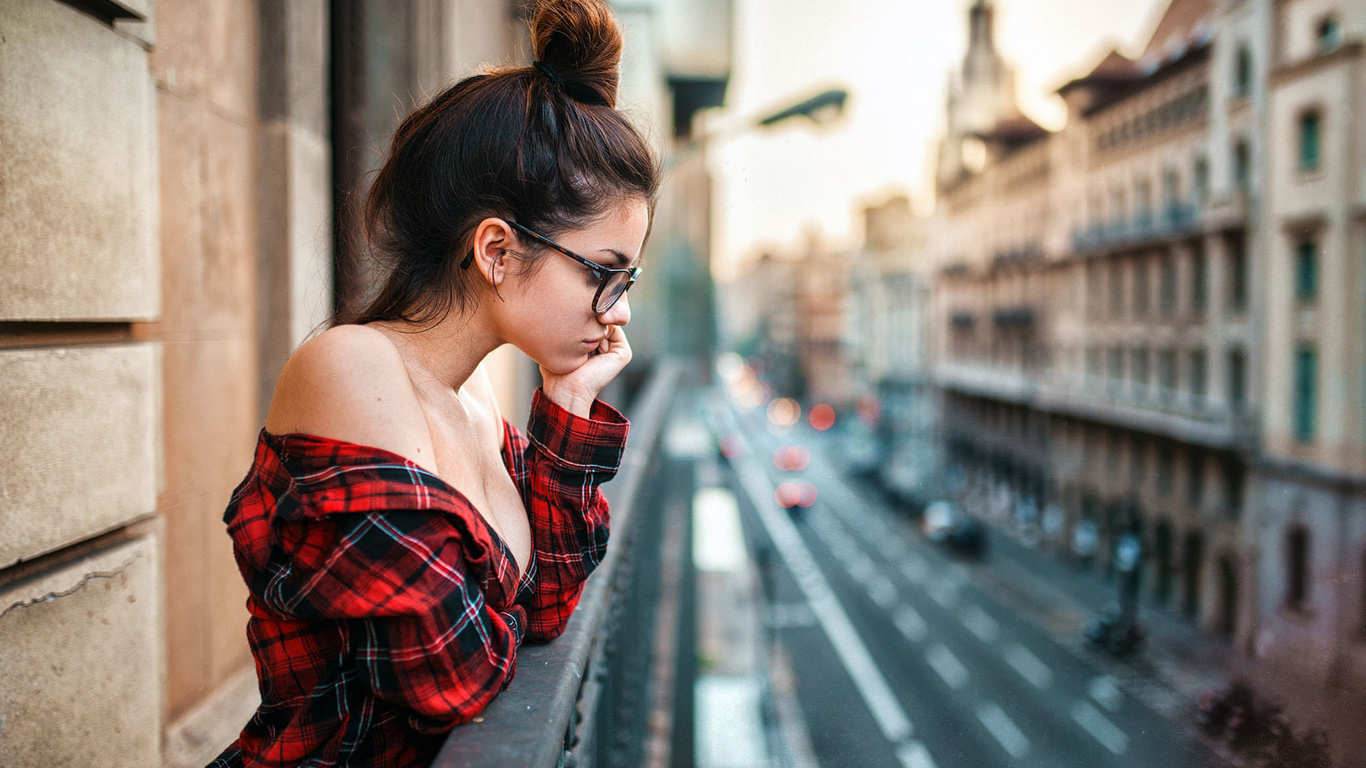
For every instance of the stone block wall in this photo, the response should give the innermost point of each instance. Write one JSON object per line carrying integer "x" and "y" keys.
{"x": 81, "y": 600}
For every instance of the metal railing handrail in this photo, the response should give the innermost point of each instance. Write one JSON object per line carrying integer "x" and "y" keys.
{"x": 534, "y": 721}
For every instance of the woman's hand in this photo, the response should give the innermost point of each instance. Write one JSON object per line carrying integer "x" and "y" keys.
{"x": 575, "y": 391}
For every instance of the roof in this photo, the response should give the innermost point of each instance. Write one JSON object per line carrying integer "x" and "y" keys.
{"x": 1016, "y": 130}
{"x": 1114, "y": 69}
{"x": 1179, "y": 26}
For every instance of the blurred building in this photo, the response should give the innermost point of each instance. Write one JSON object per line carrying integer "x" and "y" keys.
{"x": 1150, "y": 321}
{"x": 822, "y": 303}
{"x": 888, "y": 338}
{"x": 177, "y": 203}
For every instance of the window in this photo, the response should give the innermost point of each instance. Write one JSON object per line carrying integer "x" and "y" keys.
{"x": 1195, "y": 478}
{"x": 1198, "y": 375}
{"x": 1167, "y": 285}
{"x": 1138, "y": 451}
{"x": 1329, "y": 35}
{"x": 1166, "y": 374}
{"x": 1095, "y": 287}
{"x": 1310, "y": 136}
{"x": 1140, "y": 371}
{"x": 1164, "y": 469}
{"x": 1362, "y": 621}
{"x": 1143, "y": 199}
{"x": 1093, "y": 362}
{"x": 1199, "y": 282}
{"x": 1307, "y": 270}
{"x": 1237, "y": 272}
{"x": 1171, "y": 187}
{"x": 1116, "y": 365}
{"x": 1235, "y": 481}
{"x": 1117, "y": 289}
{"x": 1306, "y": 392}
{"x": 1201, "y": 179}
{"x": 1297, "y": 568}
{"x": 1237, "y": 380}
{"x": 1141, "y": 287}
{"x": 1242, "y": 164}
{"x": 1242, "y": 76}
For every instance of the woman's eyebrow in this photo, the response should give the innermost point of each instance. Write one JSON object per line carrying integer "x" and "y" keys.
{"x": 622, "y": 259}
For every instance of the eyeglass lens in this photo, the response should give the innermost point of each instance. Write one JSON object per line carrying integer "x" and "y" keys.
{"x": 615, "y": 286}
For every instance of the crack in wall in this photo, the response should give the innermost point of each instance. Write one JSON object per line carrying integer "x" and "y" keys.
{"x": 85, "y": 579}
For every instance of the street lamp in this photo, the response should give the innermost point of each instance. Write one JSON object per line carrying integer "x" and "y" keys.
{"x": 824, "y": 108}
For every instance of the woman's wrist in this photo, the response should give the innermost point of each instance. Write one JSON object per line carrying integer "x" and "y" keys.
{"x": 574, "y": 402}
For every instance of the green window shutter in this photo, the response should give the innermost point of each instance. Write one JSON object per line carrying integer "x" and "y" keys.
{"x": 1309, "y": 141}
{"x": 1306, "y": 391}
{"x": 1307, "y": 271}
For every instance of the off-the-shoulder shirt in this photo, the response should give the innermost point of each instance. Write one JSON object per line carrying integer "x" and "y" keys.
{"x": 384, "y": 609}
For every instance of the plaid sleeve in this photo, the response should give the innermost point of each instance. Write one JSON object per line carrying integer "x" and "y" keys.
{"x": 421, "y": 629}
{"x": 558, "y": 467}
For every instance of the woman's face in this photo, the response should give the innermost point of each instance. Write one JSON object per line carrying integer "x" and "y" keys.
{"x": 548, "y": 311}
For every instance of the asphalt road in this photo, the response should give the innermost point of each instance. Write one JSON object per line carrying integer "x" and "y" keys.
{"x": 903, "y": 656}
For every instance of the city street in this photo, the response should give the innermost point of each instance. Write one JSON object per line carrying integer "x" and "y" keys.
{"x": 902, "y": 655}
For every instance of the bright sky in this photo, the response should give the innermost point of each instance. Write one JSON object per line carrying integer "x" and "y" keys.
{"x": 775, "y": 187}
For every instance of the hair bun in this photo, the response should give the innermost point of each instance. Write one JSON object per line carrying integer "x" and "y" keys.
{"x": 581, "y": 41}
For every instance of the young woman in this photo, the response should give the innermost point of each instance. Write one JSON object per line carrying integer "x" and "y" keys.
{"x": 399, "y": 539}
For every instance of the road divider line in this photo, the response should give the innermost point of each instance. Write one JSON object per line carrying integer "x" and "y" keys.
{"x": 945, "y": 594}
{"x": 910, "y": 623}
{"x": 980, "y": 624}
{"x": 947, "y": 666}
{"x": 1104, "y": 731}
{"x": 914, "y": 755}
{"x": 1106, "y": 692}
{"x": 849, "y": 646}
{"x": 1029, "y": 666}
{"x": 999, "y": 724}
{"x": 883, "y": 592}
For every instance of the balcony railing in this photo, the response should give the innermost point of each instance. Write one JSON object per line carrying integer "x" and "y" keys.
{"x": 1174, "y": 220}
{"x": 555, "y": 711}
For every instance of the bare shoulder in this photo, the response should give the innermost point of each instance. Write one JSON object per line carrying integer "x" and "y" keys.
{"x": 350, "y": 383}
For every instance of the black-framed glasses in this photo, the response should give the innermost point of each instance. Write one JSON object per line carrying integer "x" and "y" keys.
{"x": 613, "y": 282}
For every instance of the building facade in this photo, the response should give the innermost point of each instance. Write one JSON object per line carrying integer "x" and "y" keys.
{"x": 1150, "y": 322}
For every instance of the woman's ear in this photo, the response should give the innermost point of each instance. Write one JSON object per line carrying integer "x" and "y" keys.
{"x": 492, "y": 239}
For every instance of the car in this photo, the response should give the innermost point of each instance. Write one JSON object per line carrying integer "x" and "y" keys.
{"x": 946, "y": 524}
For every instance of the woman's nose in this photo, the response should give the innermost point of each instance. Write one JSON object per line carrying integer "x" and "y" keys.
{"x": 618, "y": 314}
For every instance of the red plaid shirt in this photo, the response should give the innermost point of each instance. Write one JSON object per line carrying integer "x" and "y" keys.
{"x": 384, "y": 609}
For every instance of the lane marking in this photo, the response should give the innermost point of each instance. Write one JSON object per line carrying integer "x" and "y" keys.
{"x": 910, "y": 623}
{"x": 1029, "y": 666}
{"x": 729, "y": 729}
{"x": 915, "y": 571}
{"x": 999, "y": 724}
{"x": 980, "y": 624}
{"x": 944, "y": 593}
{"x": 914, "y": 755}
{"x": 718, "y": 541}
{"x": 849, "y": 647}
{"x": 882, "y": 592}
{"x": 862, "y": 569}
{"x": 1104, "y": 731}
{"x": 947, "y": 666}
{"x": 1105, "y": 690}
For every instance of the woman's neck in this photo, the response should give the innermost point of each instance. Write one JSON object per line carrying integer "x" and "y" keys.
{"x": 447, "y": 352}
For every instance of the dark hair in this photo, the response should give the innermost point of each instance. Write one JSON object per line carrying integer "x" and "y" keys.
{"x": 543, "y": 145}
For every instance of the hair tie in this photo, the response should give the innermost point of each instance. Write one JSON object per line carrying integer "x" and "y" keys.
{"x": 576, "y": 91}
{"x": 550, "y": 73}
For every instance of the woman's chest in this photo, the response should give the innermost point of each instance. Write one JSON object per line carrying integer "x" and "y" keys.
{"x": 468, "y": 457}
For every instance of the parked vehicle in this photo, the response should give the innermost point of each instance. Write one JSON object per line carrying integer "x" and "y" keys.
{"x": 945, "y": 523}
{"x": 1116, "y": 633}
